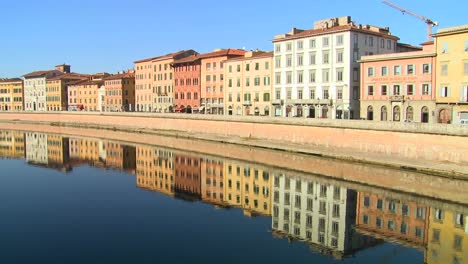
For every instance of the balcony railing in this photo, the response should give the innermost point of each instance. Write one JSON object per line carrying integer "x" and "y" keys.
{"x": 397, "y": 98}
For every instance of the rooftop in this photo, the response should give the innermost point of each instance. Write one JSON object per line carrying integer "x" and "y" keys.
{"x": 452, "y": 30}
{"x": 119, "y": 76}
{"x": 398, "y": 56}
{"x": 334, "y": 25}
{"x": 47, "y": 74}
{"x": 6, "y": 80}
{"x": 223, "y": 52}
{"x": 188, "y": 59}
{"x": 253, "y": 55}
{"x": 167, "y": 56}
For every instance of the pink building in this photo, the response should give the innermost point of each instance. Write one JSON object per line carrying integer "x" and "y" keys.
{"x": 399, "y": 86}
{"x": 212, "y": 79}
{"x": 187, "y": 84}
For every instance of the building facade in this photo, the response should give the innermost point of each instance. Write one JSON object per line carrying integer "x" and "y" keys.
{"x": 12, "y": 144}
{"x": 187, "y": 177}
{"x": 119, "y": 92}
{"x": 35, "y": 93}
{"x": 452, "y": 74}
{"x": 154, "y": 82}
{"x": 11, "y": 94}
{"x": 316, "y": 72}
{"x": 212, "y": 79}
{"x": 212, "y": 180}
{"x": 56, "y": 90}
{"x": 36, "y": 148}
{"x": 187, "y": 86}
{"x": 247, "y": 82}
{"x": 84, "y": 95}
{"x": 393, "y": 219}
{"x": 155, "y": 169}
{"x": 399, "y": 86}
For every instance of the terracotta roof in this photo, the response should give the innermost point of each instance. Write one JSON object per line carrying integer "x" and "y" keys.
{"x": 188, "y": 59}
{"x": 47, "y": 74}
{"x": 451, "y": 30}
{"x": 343, "y": 28}
{"x": 70, "y": 76}
{"x": 86, "y": 82}
{"x": 223, "y": 52}
{"x": 119, "y": 76}
{"x": 167, "y": 56}
{"x": 255, "y": 55}
{"x": 10, "y": 80}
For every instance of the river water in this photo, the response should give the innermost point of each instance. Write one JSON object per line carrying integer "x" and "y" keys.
{"x": 72, "y": 199}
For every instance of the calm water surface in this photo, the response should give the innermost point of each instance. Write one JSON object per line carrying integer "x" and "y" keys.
{"x": 82, "y": 200}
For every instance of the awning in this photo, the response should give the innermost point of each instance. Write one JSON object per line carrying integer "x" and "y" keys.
{"x": 178, "y": 109}
{"x": 201, "y": 108}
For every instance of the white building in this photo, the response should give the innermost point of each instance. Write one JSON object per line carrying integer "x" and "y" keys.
{"x": 36, "y": 148}
{"x": 316, "y": 71}
{"x": 35, "y": 93}
{"x": 313, "y": 210}
{"x": 101, "y": 99}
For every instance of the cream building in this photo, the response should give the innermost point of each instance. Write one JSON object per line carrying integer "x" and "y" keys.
{"x": 316, "y": 71}
{"x": 314, "y": 210}
{"x": 452, "y": 75}
{"x": 248, "y": 85}
{"x": 36, "y": 148}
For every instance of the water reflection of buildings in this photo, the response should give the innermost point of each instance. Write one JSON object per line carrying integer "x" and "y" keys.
{"x": 212, "y": 180}
{"x": 58, "y": 156}
{"x": 448, "y": 237}
{"x": 155, "y": 169}
{"x": 248, "y": 187}
{"x": 187, "y": 180}
{"x": 400, "y": 221}
{"x": 36, "y": 148}
{"x": 12, "y": 144}
{"x": 119, "y": 157}
{"x": 317, "y": 212}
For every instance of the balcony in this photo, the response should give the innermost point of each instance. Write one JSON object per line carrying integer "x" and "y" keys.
{"x": 397, "y": 98}
{"x": 247, "y": 103}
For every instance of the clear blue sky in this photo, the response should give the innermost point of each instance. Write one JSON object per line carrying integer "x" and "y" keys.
{"x": 104, "y": 35}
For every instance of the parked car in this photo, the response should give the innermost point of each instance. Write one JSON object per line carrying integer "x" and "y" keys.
{"x": 464, "y": 121}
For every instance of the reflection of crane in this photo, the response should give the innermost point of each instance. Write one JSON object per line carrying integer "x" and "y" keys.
{"x": 429, "y": 22}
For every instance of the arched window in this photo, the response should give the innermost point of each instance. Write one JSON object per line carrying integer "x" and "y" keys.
{"x": 396, "y": 113}
{"x": 383, "y": 113}
{"x": 370, "y": 113}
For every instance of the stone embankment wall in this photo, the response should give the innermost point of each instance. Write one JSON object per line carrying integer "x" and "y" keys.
{"x": 430, "y": 147}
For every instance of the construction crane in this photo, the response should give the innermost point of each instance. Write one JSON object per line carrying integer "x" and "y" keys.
{"x": 430, "y": 23}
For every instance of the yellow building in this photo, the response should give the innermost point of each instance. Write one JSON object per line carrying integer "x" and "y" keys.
{"x": 247, "y": 186}
{"x": 12, "y": 144}
{"x": 448, "y": 237}
{"x": 452, "y": 74}
{"x": 56, "y": 90}
{"x": 155, "y": 169}
{"x": 11, "y": 94}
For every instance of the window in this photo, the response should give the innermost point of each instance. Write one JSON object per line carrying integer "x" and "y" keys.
{"x": 300, "y": 59}
{"x": 370, "y": 71}
{"x": 396, "y": 89}
{"x": 325, "y": 94}
{"x": 457, "y": 242}
{"x": 410, "y": 69}
{"x": 238, "y": 68}
{"x": 339, "y": 40}
{"x": 384, "y": 71}
{"x": 355, "y": 74}
{"x": 267, "y": 65}
{"x": 403, "y": 228}
{"x": 335, "y": 228}
{"x": 299, "y": 93}
{"x": 288, "y": 46}
{"x": 288, "y": 61}
{"x": 444, "y": 91}
{"x": 391, "y": 225}
{"x": 378, "y": 222}
{"x": 300, "y": 75}
{"x": 325, "y": 41}
{"x": 370, "y": 90}
{"x": 325, "y": 75}
{"x": 278, "y": 94}
{"x": 208, "y": 66}
{"x": 278, "y": 78}
{"x": 312, "y": 93}
{"x": 392, "y": 206}
{"x": 247, "y": 82}
{"x": 312, "y": 58}
{"x": 465, "y": 68}
{"x": 419, "y": 232}
{"x": 312, "y": 43}
{"x": 288, "y": 77}
{"x": 247, "y": 67}
{"x": 339, "y": 56}
{"x": 339, "y": 74}
{"x": 336, "y": 210}
{"x": 326, "y": 57}
{"x": 365, "y": 219}
{"x": 405, "y": 210}
{"x": 300, "y": 45}
{"x": 266, "y": 97}
{"x": 410, "y": 89}
{"x": 382, "y": 43}
{"x": 278, "y": 47}
{"x": 466, "y": 45}
{"x": 257, "y": 66}
{"x": 380, "y": 204}
{"x": 230, "y": 68}
{"x": 435, "y": 235}
{"x": 426, "y": 68}
{"x": 444, "y": 69}
{"x": 426, "y": 89}
{"x": 383, "y": 90}
{"x": 389, "y": 44}
{"x": 397, "y": 70}
{"x": 339, "y": 93}
{"x": 322, "y": 207}
{"x": 459, "y": 220}
{"x": 444, "y": 48}
{"x": 421, "y": 213}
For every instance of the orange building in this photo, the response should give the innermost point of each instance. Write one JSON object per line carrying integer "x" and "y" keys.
{"x": 120, "y": 157}
{"x": 212, "y": 180}
{"x": 56, "y": 90}
{"x": 406, "y": 222}
{"x": 212, "y": 79}
{"x": 120, "y": 92}
{"x": 155, "y": 169}
{"x": 84, "y": 95}
{"x": 187, "y": 177}
{"x": 11, "y": 95}
{"x": 154, "y": 82}
{"x": 12, "y": 144}
{"x": 187, "y": 74}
